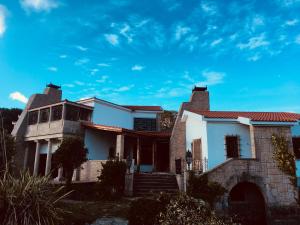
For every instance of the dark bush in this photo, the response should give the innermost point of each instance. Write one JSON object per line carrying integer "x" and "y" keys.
{"x": 112, "y": 179}
{"x": 186, "y": 210}
{"x": 199, "y": 187}
{"x": 144, "y": 211}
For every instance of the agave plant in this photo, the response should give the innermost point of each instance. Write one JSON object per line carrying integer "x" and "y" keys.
{"x": 29, "y": 200}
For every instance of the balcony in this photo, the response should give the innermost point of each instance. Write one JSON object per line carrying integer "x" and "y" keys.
{"x": 56, "y": 120}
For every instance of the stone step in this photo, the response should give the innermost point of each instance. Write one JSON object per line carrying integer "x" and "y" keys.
{"x": 147, "y": 184}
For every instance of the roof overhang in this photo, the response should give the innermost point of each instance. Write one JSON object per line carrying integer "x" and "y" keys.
{"x": 120, "y": 130}
{"x": 240, "y": 120}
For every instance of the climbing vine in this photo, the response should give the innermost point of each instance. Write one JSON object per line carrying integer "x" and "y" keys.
{"x": 284, "y": 158}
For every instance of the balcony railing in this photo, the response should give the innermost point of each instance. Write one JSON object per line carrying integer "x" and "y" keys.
{"x": 63, "y": 117}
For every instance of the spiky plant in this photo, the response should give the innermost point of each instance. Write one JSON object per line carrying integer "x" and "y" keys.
{"x": 29, "y": 200}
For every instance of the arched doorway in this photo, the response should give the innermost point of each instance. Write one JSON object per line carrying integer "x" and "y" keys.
{"x": 247, "y": 203}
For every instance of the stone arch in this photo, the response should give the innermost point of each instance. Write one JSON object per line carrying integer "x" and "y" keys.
{"x": 246, "y": 201}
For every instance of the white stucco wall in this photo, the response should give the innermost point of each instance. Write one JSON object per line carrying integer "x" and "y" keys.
{"x": 98, "y": 144}
{"x": 114, "y": 115}
{"x": 196, "y": 129}
{"x": 295, "y": 130}
{"x": 216, "y": 132}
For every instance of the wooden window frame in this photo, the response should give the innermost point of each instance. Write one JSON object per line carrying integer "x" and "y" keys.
{"x": 238, "y": 146}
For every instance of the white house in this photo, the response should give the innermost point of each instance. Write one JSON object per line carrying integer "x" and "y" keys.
{"x": 107, "y": 129}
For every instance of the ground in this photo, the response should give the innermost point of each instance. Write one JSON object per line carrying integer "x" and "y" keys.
{"x": 81, "y": 213}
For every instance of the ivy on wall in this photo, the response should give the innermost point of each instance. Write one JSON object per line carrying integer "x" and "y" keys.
{"x": 284, "y": 158}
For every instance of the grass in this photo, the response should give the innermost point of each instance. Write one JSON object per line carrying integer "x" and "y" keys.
{"x": 80, "y": 213}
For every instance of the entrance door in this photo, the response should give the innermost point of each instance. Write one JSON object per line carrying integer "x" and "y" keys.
{"x": 247, "y": 202}
{"x": 162, "y": 157}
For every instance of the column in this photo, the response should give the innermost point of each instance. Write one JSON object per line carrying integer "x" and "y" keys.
{"x": 154, "y": 155}
{"x": 25, "y": 157}
{"x": 120, "y": 146}
{"x": 138, "y": 152}
{"x": 60, "y": 173}
{"x": 49, "y": 157}
{"x": 37, "y": 159}
{"x": 252, "y": 141}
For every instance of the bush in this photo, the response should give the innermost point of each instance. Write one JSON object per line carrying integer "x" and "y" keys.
{"x": 199, "y": 187}
{"x": 145, "y": 211}
{"x": 29, "y": 200}
{"x": 112, "y": 178}
{"x": 186, "y": 210}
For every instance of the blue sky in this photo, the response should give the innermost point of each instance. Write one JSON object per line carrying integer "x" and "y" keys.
{"x": 153, "y": 52}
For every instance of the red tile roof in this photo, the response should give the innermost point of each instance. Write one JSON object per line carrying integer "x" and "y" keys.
{"x": 143, "y": 107}
{"x": 120, "y": 130}
{"x": 254, "y": 116}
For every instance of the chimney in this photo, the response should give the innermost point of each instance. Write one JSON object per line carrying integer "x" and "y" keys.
{"x": 54, "y": 92}
{"x": 200, "y": 99}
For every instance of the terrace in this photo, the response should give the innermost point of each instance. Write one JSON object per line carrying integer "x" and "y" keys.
{"x": 53, "y": 120}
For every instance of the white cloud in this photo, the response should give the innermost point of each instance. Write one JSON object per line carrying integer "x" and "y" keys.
{"x": 181, "y": 31}
{"x": 3, "y": 13}
{"x": 209, "y": 7}
{"x": 103, "y": 79}
{"x": 17, "y": 96}
{"x": 79, "y": 83}
{"x": 39, "y": 5}
{"x": 69, "y": 85}
{"x": 137, "y": 68}
{"x": 52, "y": 69}
{"x": 103, "y": 64}
{"x": 254, "y": 42}
{"x": 63, "y": 56}
{"x": 254, "y": 58}
{"x": 82, "y": 61}
{"x": 125, "y": 88}
{"x": 191, "y": 42}
{"x": 211, "y": 78}
{"x": 297, "y": 40}
{"x": 94, "y": 71}
{"x": 125, "y": 31}
{"x": 81, "y": 48}
{"x": 113, "y": 39}
{"x": 216, "y": 42}
{"x": 291, "y": 22}
{"x": 187, "y": 76}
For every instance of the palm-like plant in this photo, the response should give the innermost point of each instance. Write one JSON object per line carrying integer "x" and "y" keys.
{"x": 29, "y": 200}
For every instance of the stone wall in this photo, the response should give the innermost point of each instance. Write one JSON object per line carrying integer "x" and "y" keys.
{"x": 90, "y": 170}
{"x": 199, "y": 101}
{"x": 262, "y": 171}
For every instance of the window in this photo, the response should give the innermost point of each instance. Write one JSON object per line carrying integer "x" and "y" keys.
{"x": 232, "y": 146}
{"x": 33, "y": 117}
{"x": 44, "y": 115}
{"x": 145, "y": 124}
{"x": 296, "y": 146}
{"x": 56, "y": 112}
{"x": 72, "y": 113}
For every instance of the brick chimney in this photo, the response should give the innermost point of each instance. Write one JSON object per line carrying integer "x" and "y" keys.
{"x": 199, "y": 100}
{"x": 54, "y": 92}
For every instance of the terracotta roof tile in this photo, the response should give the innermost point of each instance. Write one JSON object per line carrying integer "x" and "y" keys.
{"x": 254, "y": 116}
{"x": 143, "y": 107}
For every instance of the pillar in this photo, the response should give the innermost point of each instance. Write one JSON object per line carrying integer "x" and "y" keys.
{"x": 120, "y": 146}
{"x": 154, "y": 155}
{"x": 49, "y": 157}
{"x": 252, "y": 141}
{"x": 138, "y": 152}
{"x": 60, "y": 173}
{"x": 26, "y": 156}
{"x": 36, "y": 159}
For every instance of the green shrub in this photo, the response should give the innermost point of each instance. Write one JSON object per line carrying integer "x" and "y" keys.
{"x": 29, "y": 200}
{"x": 145, "y": 211}
{"x": 112, "y": 178}
{"x": 199, "y": 187}
{"x": 186, "y": 210}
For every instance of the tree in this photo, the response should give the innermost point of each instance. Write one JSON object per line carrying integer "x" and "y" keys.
{"x": 9, "y": 116}
{"x": 167, "y": 120}
{"x": 7, "y": 147}
{"x": 70, "y": 155}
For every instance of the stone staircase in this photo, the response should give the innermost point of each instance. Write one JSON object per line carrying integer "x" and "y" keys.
{"x": 147, "y": 184}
